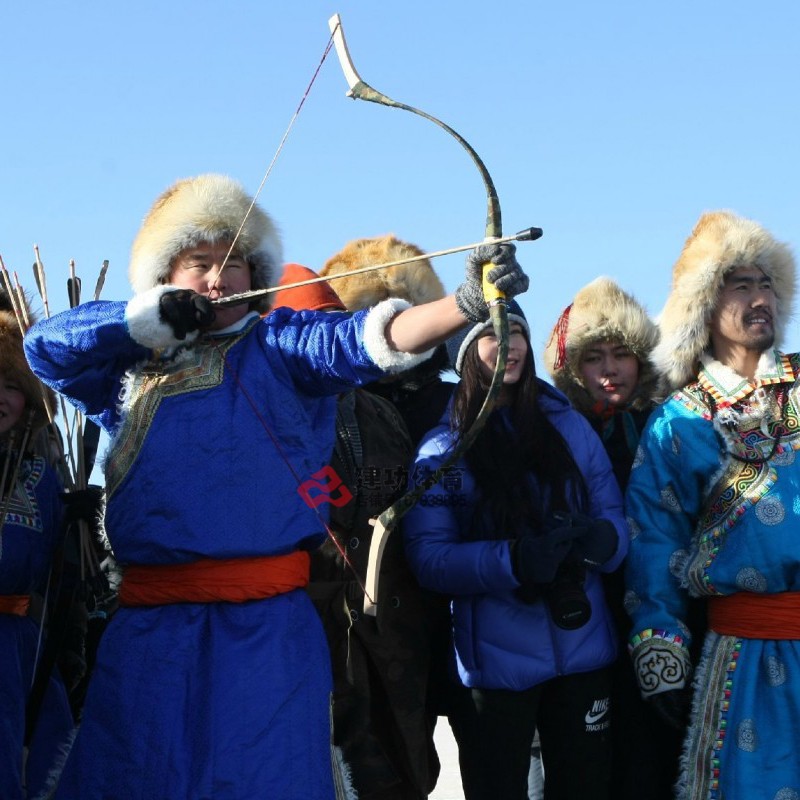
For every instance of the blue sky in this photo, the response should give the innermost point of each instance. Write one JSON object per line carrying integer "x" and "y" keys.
{"x": 610, "y": 126}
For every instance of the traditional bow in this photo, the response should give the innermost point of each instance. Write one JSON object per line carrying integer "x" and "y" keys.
{"x": 495, "y": 299}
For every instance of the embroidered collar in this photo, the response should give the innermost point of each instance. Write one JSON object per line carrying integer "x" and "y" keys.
{"x": 727, "y": 387}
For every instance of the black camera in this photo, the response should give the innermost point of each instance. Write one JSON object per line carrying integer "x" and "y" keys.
{"x": 566, "y": 599}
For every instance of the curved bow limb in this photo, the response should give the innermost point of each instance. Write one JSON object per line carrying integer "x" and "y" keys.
{"x": 389, "y": 519}
{"x": 361, "y": 90}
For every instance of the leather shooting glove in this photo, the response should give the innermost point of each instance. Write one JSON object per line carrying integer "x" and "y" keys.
{"x": 185, "y": 311}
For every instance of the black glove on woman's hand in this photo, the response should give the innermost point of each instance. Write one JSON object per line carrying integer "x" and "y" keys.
{"x": 185, "y": 311}
{"x": 535, "y": 558}
{"x": 594, "y": 547}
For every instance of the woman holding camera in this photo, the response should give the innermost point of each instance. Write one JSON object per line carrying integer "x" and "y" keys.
{"x": 517, "y": 533}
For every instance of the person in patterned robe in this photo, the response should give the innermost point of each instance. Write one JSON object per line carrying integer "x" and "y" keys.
{"x": 30, "y": 534}
{"x": 598, "y": 355}
{"x": 714, "y": 506}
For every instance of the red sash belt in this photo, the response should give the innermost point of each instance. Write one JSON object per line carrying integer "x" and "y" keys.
{"x": 231, "y": 580}
{"x": 17, "y": 604}
{"x": 756, "y": 616}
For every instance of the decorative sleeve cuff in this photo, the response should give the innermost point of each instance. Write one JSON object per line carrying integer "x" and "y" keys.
{"x": 660, "y": 661}
{"x": 144, "y": 321}
{"x": 378, "y": 347}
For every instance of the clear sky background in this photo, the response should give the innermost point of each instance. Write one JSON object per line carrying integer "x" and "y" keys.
{"x": 612, "y": 126}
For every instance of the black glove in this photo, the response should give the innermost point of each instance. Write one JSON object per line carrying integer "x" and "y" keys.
{"x": 597, "y": 545}
{"x": 83, "y": 504}
{"x": 673, "y": 706}
{"x": 535, "y": 558}
{"x": 185, "y": 311}
{"x": 507, "y": 276}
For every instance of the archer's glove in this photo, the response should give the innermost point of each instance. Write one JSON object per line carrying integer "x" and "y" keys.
{"x": 185, "y": 311}
{"x": 83, "y": 504}
{"x": 507, "y": 276}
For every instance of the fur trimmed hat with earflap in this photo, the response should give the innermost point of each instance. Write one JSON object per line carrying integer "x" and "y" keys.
{"x": 209, "y": 208}
{"x": 720, "y": 241}
{"x": 14, "y": 365}
{"x": 458, "y": 344}
{"x": 415, "y": 282}
{"x": 600, "y": 312}
{"x": 313, "y": 297}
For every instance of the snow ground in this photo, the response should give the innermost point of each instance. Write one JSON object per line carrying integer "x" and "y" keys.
{"x": 448, "y": 786}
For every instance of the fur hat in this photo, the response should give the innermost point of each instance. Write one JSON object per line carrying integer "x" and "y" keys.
{"x": 720, "y": 241}
{"x": 208, "y": 208}
{"x": 415, "y": 282}
{"x": 457, "y": 345}
{"x": 14, "y": 365}
{"x": 314, "y": 297}
{"x": 600, "y": 312}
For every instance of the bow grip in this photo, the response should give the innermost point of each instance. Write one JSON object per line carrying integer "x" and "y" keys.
{"x": 490, "y": 292}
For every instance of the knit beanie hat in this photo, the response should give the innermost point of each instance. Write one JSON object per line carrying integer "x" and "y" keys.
{"x": 458, "y": 344}
{"x": 314, "y": 297}
{"x": 600, "y": 312}
{"x": 209, "y": 208}
{"x": 720, "y": 241}
{"x": 415, "y": 282}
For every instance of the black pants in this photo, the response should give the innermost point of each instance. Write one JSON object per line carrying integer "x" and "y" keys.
{"x": 646, "y": 750}
{"x": 494, "y": 729}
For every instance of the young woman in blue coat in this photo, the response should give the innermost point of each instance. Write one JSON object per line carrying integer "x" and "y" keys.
{"x": 517, "y": 534}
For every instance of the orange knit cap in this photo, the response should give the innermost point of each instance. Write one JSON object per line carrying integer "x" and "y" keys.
{"x": 314, "y": 297}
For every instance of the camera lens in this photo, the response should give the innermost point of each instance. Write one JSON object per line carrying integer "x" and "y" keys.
{"x": 567, "y": 601}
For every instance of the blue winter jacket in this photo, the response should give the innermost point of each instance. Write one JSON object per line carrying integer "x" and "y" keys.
{"x": 501, "y": 642}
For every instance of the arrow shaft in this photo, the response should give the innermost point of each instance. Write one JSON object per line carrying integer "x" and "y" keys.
{"x": 246, "y": 297}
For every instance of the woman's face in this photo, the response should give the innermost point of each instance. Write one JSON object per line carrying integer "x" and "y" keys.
{"x": 12, "y": 402}
{"x": 517, "y": 352}
{"x": 610, "y": 373}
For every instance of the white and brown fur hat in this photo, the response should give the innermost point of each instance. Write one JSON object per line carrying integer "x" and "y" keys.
{"x": 209, "y": 208}
{"x": 720, "y": 241}
{"x": 14, "y": 365}
{"x": 600, "y": 312}
{"x": 415, "y": 282}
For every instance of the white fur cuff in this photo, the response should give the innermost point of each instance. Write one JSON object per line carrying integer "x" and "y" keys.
{"x": 376, "y": 344}
{"x": 145, "y": 324}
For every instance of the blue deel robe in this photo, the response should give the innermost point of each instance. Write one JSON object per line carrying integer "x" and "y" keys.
{"x": 28, "y": 539}
{"x": 207, "y": 700}
{"x": 714, "y": 506}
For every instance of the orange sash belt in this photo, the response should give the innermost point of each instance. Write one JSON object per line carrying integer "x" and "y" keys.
{"x": 756, "y": 616}
{"x": 231, "y": 580}
{"x": 17, "y": 604}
